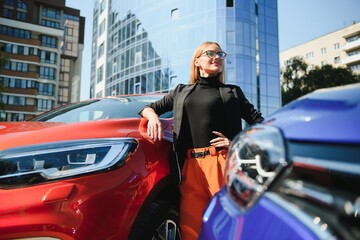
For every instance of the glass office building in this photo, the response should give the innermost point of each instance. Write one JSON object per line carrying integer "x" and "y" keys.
{"x": 144, "y": 46}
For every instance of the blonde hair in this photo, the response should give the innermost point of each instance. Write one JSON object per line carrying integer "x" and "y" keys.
{"x": 194, "y": 70}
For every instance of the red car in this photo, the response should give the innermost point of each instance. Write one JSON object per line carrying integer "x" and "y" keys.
{"x": 87, "y": 171}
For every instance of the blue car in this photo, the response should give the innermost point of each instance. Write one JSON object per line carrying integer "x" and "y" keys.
{"x": 294, "y": 176}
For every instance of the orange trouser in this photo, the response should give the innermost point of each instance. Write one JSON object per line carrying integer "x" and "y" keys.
{"x": 202, "y": 177}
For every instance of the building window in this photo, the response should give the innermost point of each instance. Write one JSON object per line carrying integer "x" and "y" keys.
{"x": 14, "y": 49}
{"x": 3, "y": 115}
{"x": 63, "y": 95}
{"x": 9, "y": 3}
{"x": 114, "y": 67}
{"x": 48, "y": 41}
{"x": 138, "y": 29}
{"x": 8, "y": 13}
{"x": 15, "y": 32}
{"x": 101, "y": 50}
{"x": 13, "y": 100}
{"x": 11, "y": 11}
{"x": 352, "y": 39}
{"x": 100, "y": 73}
{"x": 175, "y": 14}
{"x": 102, "y": 6}
{"x": 48, "y": 57}
{"x": 21, "y": 11}
{"x": 337, "y": 60}
{"x": 69, "y": 31}
{"x": 51, "y": 24}
{"x": 353, "y": 53}
{"x": 137, "y": 89}
{"x": 17, "y": 117}
{"x": 47, "y": 73}
{"x": 16, "y": 66}
{"x": 138, "y": 56}
{"x": 69, "y": 46}
{"x": 51, "y": 13}
{"x": 46, "y": 89}
{"x": 116, "y": 38}
{"x": 44, "y": 105}
{"x": 323, "y": 63}
{"x": 21, "y": 5}
{"x": 102, "y": 27}
{"x": 309, "y": 55}
{"x": 8, "y": 48}
{"x": 337, "y": 46}
{"x": 71, "y": 17}
{"x": 21, "y": 16}
{"x": 323, "y": 51}
{"x": 17, "y": 83}
{"x": 229, "y": 3}
{"x": 65, "y": 65}
{"x": 32, "y": 51}
{"x": 355, "y": 67}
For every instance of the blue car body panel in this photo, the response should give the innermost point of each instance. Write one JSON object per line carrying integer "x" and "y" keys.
{"x": 322, "y": 116}
{"x": 267, "y": 220}
{"x": 328, "y": 116}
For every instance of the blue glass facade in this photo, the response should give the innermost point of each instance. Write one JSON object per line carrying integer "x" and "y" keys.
{"x": 149, "y": 45}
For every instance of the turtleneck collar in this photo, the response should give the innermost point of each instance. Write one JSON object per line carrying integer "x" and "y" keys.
{"x": 209, "y": 81}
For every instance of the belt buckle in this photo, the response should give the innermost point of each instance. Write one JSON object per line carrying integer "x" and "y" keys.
{"x": 199, "y": 154}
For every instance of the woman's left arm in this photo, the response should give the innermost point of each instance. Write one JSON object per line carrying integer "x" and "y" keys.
{"x": 249, "y": 113}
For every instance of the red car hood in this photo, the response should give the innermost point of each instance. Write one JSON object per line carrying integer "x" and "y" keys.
{"x": 14, "y": 134}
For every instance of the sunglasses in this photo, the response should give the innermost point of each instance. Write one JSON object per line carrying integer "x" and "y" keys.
{"x": 212, "y": 54}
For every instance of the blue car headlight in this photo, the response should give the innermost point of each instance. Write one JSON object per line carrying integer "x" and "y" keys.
{"x": 57, "y": 160}
{"x": 255, "y": 159}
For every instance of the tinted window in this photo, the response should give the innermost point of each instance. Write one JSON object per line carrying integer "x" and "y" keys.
{"x": 124, "y": 107}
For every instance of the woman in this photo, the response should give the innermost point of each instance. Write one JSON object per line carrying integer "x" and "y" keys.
{"x": 207, "y": 115}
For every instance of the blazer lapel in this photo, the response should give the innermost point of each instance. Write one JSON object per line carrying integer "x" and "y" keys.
{"x": 179, "y": 106}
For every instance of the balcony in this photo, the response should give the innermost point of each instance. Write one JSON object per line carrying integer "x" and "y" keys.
{"x": 32, "y": 75}
{"x": 33, "y": 42}
{"x": 351, "y": 45}
{"x": 28, "y": 58}
{"x": 22, "y": 91}
{"x": 17, "y": 108}
{"x": 351, "y": 59}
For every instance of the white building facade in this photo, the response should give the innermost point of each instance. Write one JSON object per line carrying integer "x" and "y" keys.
{"x": 340, "y": 49}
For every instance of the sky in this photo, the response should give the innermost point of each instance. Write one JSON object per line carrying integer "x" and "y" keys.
{"x": 299, "y": 21}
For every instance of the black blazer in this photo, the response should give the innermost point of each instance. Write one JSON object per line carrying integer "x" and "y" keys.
{"x": 236, "y": 107}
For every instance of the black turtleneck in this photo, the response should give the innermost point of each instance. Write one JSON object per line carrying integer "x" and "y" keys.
{"x": 203, "y": 113}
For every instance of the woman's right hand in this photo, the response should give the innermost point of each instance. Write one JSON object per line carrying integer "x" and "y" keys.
{"x": 154, "y": 129}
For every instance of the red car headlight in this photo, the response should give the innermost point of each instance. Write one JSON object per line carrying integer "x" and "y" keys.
{"x": 255, "y": 158}
{"x": 56, "y": 160}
